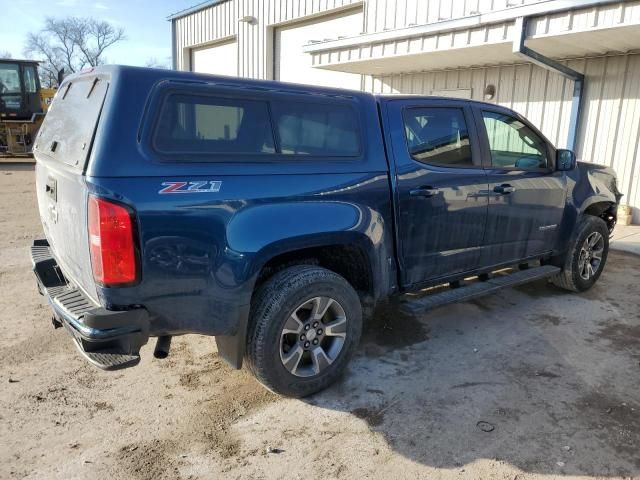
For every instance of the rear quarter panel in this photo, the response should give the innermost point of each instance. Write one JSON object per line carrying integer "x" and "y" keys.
{"x": 201, "y": 252}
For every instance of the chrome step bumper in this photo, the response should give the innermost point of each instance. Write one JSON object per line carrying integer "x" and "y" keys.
{"x": 108, "y": 339}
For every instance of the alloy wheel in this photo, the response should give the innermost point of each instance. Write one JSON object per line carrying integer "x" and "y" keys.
{"x": 313, "y": 336}
{"x": 590, "y": 257}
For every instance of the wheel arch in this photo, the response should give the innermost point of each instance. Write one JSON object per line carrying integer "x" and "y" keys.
{"x": 351, "y": 254}
{"x": 604, "y": 208}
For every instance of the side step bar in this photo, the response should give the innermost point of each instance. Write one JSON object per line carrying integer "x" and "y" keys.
{"x": 479, "y": 289}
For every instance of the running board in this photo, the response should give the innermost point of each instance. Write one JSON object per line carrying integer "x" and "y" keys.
{"x": 480, "y": 288}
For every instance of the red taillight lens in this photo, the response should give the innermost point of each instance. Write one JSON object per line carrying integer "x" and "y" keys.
{"x": 113, "y": 255}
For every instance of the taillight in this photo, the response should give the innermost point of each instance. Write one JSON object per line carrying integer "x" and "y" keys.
{"x": 111, "y": 242}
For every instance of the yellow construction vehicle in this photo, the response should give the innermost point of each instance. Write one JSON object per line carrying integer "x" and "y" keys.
{"x": 23, "y": 105}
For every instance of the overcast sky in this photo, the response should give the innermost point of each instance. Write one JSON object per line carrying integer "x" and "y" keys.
{"x": 145, "y": 23}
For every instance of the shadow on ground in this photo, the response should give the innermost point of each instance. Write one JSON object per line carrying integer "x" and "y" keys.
{"x": 544, "y": 380}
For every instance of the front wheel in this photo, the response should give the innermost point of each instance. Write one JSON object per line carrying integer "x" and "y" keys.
{"x": 305, "y": 325}
{"x": 586, "y": 257}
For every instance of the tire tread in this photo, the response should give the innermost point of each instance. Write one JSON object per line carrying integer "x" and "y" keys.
{"x": 268, "y": 301}
{"x": 567, "y": 278}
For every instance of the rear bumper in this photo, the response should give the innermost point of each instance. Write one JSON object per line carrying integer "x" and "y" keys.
{"x": 106, "y": 338}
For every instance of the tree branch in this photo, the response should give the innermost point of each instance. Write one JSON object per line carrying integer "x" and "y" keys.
{"x": 72, "y": 43}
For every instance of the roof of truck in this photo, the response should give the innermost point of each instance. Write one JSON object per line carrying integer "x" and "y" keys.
{"x": 116, "y": 70}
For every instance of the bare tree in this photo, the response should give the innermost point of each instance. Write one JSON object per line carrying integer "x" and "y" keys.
{"x": 51, "y": 59}
{"x": 71, "y": 43}
{"x": 93, "y": 37}
{"x": 5, "y": 54}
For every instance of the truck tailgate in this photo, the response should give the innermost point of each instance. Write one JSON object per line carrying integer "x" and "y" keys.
{"x": 62, "y": 150}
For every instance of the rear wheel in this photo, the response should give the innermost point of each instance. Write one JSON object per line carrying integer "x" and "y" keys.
{"x": 305, "y": 325}
{"x": 586, "y": 257}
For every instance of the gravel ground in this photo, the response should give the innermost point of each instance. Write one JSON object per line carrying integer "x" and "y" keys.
{"x": 528, "y": 383}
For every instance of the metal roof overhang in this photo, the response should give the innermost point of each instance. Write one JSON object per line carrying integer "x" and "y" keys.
{"x": 194, "y": 9}
{"x": 594, "y": 29}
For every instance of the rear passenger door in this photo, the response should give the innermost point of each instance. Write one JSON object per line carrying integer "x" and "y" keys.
{"x": 526, "y": 194}
{"x": 440, "y": 187}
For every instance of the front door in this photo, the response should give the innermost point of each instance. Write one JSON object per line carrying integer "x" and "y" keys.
{"x": 440, "y": 188}
{"x": 526, "y": 194}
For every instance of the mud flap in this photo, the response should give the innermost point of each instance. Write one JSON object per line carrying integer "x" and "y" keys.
{"x": 232, "y": 347}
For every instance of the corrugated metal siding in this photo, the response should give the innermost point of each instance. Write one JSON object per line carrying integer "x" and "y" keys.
{"x": 205, "y": 26}
{"x": 254, "y": 40}
{"x": 390, "y": 14}
{"x": 292, "y": 64}
{"x": 484, "y": 36}
{"x": 597, "y": 30}
{"x": 598, "y": 17}
{"x": 609, "y": 131}
{"x": 221, "y": 21}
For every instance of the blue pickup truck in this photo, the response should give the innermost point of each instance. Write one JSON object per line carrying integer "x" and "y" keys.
{"x": 272, "y": 215}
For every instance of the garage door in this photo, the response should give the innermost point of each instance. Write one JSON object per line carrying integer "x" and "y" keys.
{"x": 221, "y": 59}
{"x": 293, "y": 65}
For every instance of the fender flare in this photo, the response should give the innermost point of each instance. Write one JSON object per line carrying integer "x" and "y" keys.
{"x": 285, "y": 228}
{"x": 232, "y": 347}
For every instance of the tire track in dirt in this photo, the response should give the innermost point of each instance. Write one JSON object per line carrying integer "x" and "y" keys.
{"x": 207, "y": 428}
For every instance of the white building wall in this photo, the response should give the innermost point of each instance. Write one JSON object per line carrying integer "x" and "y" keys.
{"x": 215, "y": 23}
{"x": 292, "y": 64}
{"x": 220, "y": 22}
{"x": 391, "y": 14}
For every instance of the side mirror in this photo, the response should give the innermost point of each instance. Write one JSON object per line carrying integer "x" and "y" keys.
{"x": 565, "y": 160}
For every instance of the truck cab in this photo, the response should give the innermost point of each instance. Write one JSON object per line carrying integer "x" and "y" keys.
{"x": 19, "y": 89}
{"x": 477, "y": 186}
{"x": 274, "y": 216}
{"x": 23, "y": 104}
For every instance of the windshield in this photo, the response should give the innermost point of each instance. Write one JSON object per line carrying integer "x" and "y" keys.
{"x": 9, "y": 78}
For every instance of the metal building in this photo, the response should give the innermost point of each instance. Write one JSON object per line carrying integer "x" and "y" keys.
{"x": 571, "y": 66}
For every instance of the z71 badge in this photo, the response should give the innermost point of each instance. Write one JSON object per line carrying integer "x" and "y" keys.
{"x": 211, "y": 186}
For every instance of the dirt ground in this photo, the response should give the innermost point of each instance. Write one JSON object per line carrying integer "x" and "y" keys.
{"x": 529, "y": 383}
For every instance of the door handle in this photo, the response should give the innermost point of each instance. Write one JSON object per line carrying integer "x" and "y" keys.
{"x": 504, "y": 189}
{"x": 423, "y": 192}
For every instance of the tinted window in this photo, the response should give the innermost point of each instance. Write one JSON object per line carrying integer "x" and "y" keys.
{"x": 30, "y": 80}
{"x": 200, "y": 124}
{"x": 438, "y": 136}
{"x": 329, "y": 130}
{"x": 9, "y": 78}
{"x": 513, "y": 144}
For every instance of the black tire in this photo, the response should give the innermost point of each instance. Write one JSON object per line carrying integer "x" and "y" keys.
{"x": 571, "y": 278}
{"x": 271, "y": 308}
